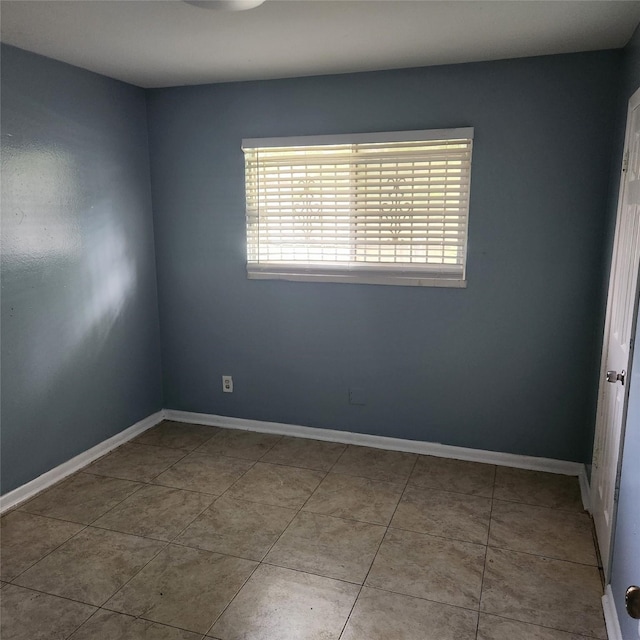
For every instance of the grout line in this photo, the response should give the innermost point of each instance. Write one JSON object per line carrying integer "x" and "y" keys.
{"x": 141, "y": 484}
{"x": 55, "y": 595}
{"x": 84, "y": 527}
{"x": 375, "y": 555}
{"x": 222, "y": 430}
{"x": 258, "y": 562}
{"x": 161, "y": 624}
{"x": 102, "y": 607}
{"x": 486, "y": 550}
{"x": 414, "y": 597}
{"x": 298, "y": 511}
{"x": 166, "y": 544}
{"x": 539, "y": 555}
{"x": 21, "y": 505}
{"x": 312, "y": 573}
{"x": 82, "y": 623}
{"x": 542, "y": 626}
{"x": 235, "y": 595}
{"x": 342, "y": 453}
{"x": 151, "y": 536}
{"x": 91, "y": 523}
{"x": 439, "y": 537}
{"x": 177, "y": 543}
{"x": 542, "y": 506}
{"x": 291, "y": 466}
{"x": 346, "y": 518}
{"x": 57, "y": 518}
{"x": 137, "y": 489}
{"x": 435, "y": 489}
{"x": 274, "y": 444}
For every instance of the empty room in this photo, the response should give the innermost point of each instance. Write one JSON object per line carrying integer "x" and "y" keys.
{"x": 318, "y": 320}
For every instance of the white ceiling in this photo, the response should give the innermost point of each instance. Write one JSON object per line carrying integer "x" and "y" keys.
{"x": 154, "y": 43}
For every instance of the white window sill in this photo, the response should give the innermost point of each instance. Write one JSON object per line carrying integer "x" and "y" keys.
{"x": 361, "y": 278}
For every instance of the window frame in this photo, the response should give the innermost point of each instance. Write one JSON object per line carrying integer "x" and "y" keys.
{"x": 403, "y": 274}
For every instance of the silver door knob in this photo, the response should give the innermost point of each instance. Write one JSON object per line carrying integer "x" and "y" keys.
{"x": 614, "y": 376}
{"x": 632, "y": 602}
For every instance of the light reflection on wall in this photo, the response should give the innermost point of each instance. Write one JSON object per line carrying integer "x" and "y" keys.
{"x": 110, "y": 275}
{"x": 38, "y": 192}
{"x": 67, "y": 266}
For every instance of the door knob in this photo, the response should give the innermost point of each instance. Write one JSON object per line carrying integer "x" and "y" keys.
{"x": 632, "y": 602}
{"x": 614, "y": 376}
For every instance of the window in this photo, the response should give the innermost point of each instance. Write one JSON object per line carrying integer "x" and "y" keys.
{"x": 381, "y": 208}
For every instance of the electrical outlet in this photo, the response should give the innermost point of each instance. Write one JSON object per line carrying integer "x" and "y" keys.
{"x": 227, "y": 384}
{"x": 357, "y": 396}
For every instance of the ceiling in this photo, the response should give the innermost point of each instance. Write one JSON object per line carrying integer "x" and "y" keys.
{"x": 153, "y": 43}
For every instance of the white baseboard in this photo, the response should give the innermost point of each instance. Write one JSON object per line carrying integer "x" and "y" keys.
{"x": 585, "y": 489}
{"x": 65, "y": 469}
{"x": 382, "y": 442}
{"x": 611, "y": 619}
{"x": 60, "y": 472}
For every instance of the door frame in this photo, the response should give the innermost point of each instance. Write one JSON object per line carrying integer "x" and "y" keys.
{"x": 633, "y": 103}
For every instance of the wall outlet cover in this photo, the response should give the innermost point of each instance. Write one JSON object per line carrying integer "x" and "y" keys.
{"x": 357, "y": 396}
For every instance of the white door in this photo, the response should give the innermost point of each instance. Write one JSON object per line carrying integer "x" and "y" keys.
{"x": 618, "y": 336}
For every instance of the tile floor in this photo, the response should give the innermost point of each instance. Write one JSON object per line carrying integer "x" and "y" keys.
{"x": 192, "y": 532}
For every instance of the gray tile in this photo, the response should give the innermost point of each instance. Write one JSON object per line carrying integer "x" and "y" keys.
{"x": 375, "y": 464}
{"x": 287, "y": 605}
{"x": 136, "y": 462}
{"x": 177, "y": 435}
{"x": 442, "y": 513}
{"x": 183, "y": 587}
{"x": 204, "y": 473}
{"x": 460, "y": 476}
{"x": 554, "y": 533}
{"x": 82, "y": 498}
{"x": 92, "y": 566}
{"x": 109, "y": 625}
{"x": 494, "y": 628}
{"x": 26, "y": 538}
{"x": 236, "y": 443}
{"x": 237, "y": 528}
{"x": 277, "y": 485}
{"x": 328, "y": 546}
{"x": 538, "y": 488}
{"x": 380, "y": 615}
{"x": 416, "y": 564}
{"x": 156, "y": 512}
{"x": 552, "y": 593}
{"x": 300, "y": 452}
{"x": 355, "y": 498}
{"x": 30, "y": 615}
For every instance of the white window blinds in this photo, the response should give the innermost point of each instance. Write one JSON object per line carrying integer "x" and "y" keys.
{"x": 384, "y": 208}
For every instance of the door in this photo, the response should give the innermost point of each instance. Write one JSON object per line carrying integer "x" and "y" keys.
{"x": 617, "y": 346}
{"x": 625, "y": 566}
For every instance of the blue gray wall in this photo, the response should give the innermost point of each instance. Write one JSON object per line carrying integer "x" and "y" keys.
{"x": 508, "y": 364}
{"x": 626, "y": 547}
{"x": 80, "y": 336}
